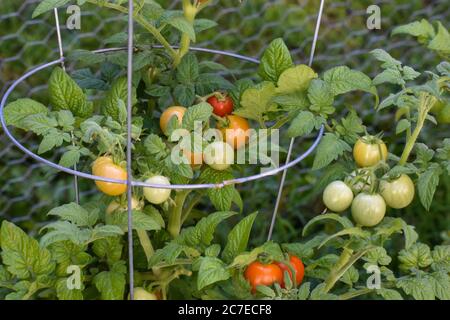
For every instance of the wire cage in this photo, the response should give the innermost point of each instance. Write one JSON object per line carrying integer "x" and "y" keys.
{"x": 130, "y": 182}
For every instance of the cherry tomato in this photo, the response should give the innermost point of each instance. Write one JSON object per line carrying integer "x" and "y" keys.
{"x": 115, "y": 205}
{"x": 443, "y": 116}
{"x": 398, "y": 193}
{"x": 168, "y": 114}
{"x": 219, "y": 155}
{"x": 258, "y": 273}
{"x": 104, "y": 167}
{"x": 368, "y": 151}
{"x": 298, "y": 267}
{"x": 337, "y": 196}
{"x": 142, "y": 294}
{"x": 236, "y": 133}
{"x": 157, "y": 195}
{"x": 222, "y": 105}
{"x": 368, "y": 209}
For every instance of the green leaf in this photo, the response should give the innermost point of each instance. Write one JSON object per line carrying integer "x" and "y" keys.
{"x": 101, "y": 232}
{"x": 203, "y": 24}
{"x": 203, "y": 232}
{"x": 16, "y": 111}
{"x": 441, "y": 285}
{"x": 296, "y": 78}
{"x": 47, "y": 5}
{"x": 343, "y": 79}
{"x": 141, "y": 221}
{"x": 169, "y": 253}
{"x": 39, "y": 123}
{"x": 416, "y": 257}
{"x": 51, "y": 140}
{"x": 386, "y": 58}
{"x": 420, "y": 288}
{"x": 64, "y": 231}
{"x": 275, "y": 60}
{"x": 187, "y": 70}
{"x": 21, "y": 254}
{"x": 184, "y": 94}
{"x": 321, "y": 96}
{"x": 238, "y": 238}
{"x": 441, "y": 258}
{"x": 111, "y": 285}
{"x": 118, "y": 91}
{"x": 70, "y": 158}
{"x": 64, "y": 293}
{"x": 303, "y": 291}
{"x": 65, "y": 94}
{"x": 210, "y": 82}
{"x": 427, "y": 184}
{"x": 155, "y": 146}
{"x": 256, "y": 101}
{"x": 221, "y": 198}
{"x": 211, "y": 270}
{"x": 389, "y": 294}
{"x": 74, "y": 213}
{"x": 441, "y": 42}
{"x": 420, "y": 28}
{"x": 344, "y": 221}
{"x": 377, "y": 256}
{"x": 402, "y": 125}
{"x": 329, "y": 149}
{"x": 182, "y": 25}
{"x": 198, "y": 113}
{"x": 110, "y": 249}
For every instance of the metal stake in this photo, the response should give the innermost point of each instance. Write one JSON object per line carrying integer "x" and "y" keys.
{"x": 291, "y": 144}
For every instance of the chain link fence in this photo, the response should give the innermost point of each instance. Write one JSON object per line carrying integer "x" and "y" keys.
{"x": 28, "y": 189}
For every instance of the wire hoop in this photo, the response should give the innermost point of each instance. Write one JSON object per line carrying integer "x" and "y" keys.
{"x": 135, "y": 183}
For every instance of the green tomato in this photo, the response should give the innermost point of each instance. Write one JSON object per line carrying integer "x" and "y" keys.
{"x": 398, "y": 193}
{"x": 219, "y": 155}
{"x": 337, "y": 196}
{"x": 443, "y": 116}
{"x": 157, "y": 195}
{"x": 368, "y": 209}
{"x": 142, "y": 294}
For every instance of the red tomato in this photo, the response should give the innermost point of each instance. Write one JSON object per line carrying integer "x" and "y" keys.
{"x": 258, "y": 273}
{"x": 298, "y": 267}
{"x": 222, "y": 106}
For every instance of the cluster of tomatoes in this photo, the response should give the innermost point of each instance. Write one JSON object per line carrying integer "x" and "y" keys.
{"x": 368, "y": 197}
{"x": 219, "y": 155}
{"x": 267, "y": 274}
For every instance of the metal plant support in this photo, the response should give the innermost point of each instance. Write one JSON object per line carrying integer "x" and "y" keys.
{"x": 130, "y": 182}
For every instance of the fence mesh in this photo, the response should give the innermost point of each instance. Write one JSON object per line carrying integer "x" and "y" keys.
{"x": 28, "y": 189}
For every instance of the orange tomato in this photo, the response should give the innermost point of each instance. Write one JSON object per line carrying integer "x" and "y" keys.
{"x": 104, "y": 167}
{"x": 236, "y": 133}
{"x": 168, "y": 114}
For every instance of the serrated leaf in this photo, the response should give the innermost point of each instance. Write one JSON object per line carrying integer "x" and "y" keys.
{"x": 343, "y": 79}
{"x": 427, "y": 184}
{"x": 295, "y": 79}
{"x": 402, "y": 125}
{"x": 47, "y": 5}
{"x": 256, "y": 101}
{"x": 238, "y": 238}
{"x": 275, "y": 60}
{"x": 329, "y": 149}
{"x": 441, "y": 42}
{"x": 420, "y": 28}
{"x": 110, "y": 284}
{"x": 74, "y": 213}
{"x": 211, "y": 270}
{"x": 16, "y": 111}
{"x": 187, "y": 70}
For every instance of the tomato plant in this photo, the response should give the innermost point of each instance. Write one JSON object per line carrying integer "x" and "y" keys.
{"x": 182, "y": 248}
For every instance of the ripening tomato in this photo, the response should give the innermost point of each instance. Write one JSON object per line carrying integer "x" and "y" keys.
{"x": 157, "y": 195}
{"x": 142, "y": 294}
{"x": 398, "y": 193}
{"x": 368, "y": 209}
{"x": 236, "y": 132}
{"x": 222, "y": 105}
{"x": 168, "y": 114}
{"x": 219, "y": 155}
{"x": 368, "y": 151}
{"x": 298, "y": 267}
{"x": 115, "y": 206}
{"x": 104, "y": 167}
{"x": 258, "y": 273}
{"x": 337, "y": 196}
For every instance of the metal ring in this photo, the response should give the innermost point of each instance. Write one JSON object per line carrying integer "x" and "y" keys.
{"x": 140, "y": 183}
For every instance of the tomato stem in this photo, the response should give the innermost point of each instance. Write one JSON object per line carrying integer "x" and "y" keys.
{"x": 190, "y": 12}
{"x": 425, "y": 104}
{"x": 174, "y": 226}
